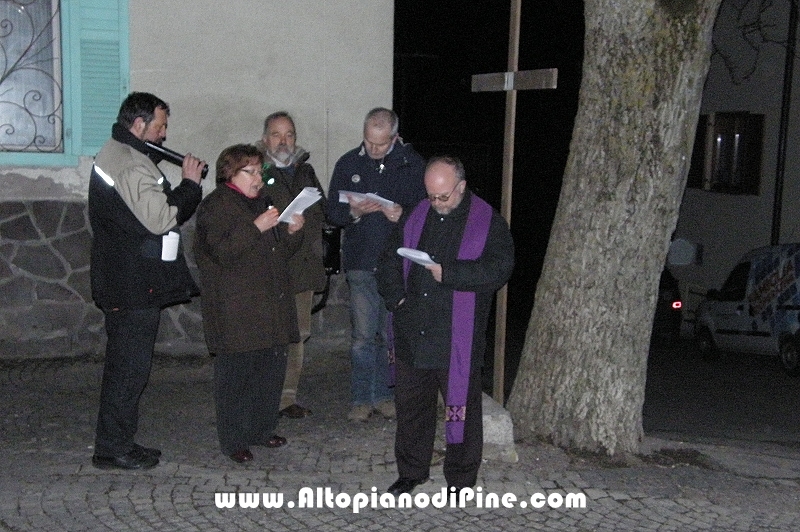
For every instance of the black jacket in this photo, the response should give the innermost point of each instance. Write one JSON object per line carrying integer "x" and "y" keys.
{"x": 126, "y": 267}
{"x": 282, "y": 185}
{"x": 401, "y": 180}
{"x": 423, "y": 322}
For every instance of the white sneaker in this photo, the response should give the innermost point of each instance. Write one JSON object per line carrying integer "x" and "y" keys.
{"x": 360, "y": 413}
{"x": 386, "y": 409}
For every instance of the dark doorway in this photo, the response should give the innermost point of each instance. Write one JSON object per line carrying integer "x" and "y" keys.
{"x": 438, "y": 47}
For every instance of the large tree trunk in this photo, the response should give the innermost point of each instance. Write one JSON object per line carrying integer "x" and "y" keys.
{"x": 582, "y": 375}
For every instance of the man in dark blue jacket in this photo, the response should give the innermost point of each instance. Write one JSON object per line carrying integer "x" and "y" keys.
{"x": 385, "y": 166}
{"x": 137, "y": 267}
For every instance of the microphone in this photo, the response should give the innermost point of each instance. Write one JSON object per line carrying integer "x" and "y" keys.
{"x": 173, "y": 156}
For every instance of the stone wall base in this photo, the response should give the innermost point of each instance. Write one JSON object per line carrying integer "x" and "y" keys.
{"x": 46, "y": 308}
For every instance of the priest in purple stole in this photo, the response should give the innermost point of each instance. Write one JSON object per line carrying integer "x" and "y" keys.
{"x": 439, "y": 314}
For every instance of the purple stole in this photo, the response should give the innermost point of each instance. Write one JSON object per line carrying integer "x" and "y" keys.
{"x": 463, "y": 321}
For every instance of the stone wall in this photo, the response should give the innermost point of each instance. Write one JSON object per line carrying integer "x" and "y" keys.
{"x": 46, "y": 309}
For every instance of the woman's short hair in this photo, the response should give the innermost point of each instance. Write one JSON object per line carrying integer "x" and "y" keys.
{"x": 234, "y": 158}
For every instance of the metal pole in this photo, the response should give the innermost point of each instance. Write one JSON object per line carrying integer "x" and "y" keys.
{"x": 780, "y": 166}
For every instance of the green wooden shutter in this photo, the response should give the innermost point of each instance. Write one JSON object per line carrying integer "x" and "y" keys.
{"x": 99, "y": 33}
{"x": 95, "y": 65}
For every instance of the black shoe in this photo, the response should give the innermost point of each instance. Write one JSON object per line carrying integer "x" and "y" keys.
{"x": 135, "y": 459}
{"x": 149, "y": 451}
{"x": 294, "y": 412}
{"x": 405, "y": 485}
{"x": 275, "y": 441}
{"x": 241, "y": 456}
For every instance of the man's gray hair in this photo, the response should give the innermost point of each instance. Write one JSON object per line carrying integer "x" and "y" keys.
{"x": 449, "y": 160}
{"x": 383, "y": 117}
{"x": 275, "y": 116}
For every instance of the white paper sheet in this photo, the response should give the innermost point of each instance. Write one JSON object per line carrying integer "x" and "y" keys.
{"x": 415, "y": 255}
{"x": 307, "y": 197}
{"x": 360, "y": 196}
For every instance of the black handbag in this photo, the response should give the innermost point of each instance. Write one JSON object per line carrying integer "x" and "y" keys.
{"x": 332, "y": 249}
{"x": 331, "y": 260}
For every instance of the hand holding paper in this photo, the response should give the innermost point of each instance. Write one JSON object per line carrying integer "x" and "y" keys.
{"x": 307, "y": 197}
{"x": 415, "y": 255}
{"x": 360, "y": 196}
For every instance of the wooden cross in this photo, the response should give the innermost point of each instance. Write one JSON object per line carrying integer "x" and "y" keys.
{"x": 510, "y": 82}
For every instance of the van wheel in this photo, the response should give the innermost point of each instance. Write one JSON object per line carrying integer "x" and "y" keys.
{"x": 706, "y": 346}
{"x": 789, "y": 357}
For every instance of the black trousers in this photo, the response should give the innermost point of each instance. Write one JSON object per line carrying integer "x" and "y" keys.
{"x": 129, "y": 354}
{"x": 247, "y": 393}
{"x": 415, "y": 396}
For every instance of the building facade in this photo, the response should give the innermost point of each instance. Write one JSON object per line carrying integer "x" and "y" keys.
{"x": 222, "y": 67}
{"x": 730, "y": 199}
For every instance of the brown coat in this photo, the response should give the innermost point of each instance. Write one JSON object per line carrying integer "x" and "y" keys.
{"x": 281, "y": 187}
{"x": 246, "y": 296}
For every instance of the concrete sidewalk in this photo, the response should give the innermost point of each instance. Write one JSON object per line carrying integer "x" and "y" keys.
{"x": 48, "y": 411}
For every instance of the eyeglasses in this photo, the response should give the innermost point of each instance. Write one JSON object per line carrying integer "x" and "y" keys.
{"x": 254, "y": 173}
{"x": 442, "y": 197}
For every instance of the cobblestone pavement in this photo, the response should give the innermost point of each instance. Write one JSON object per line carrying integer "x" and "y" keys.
{"x": 48, "y": 410}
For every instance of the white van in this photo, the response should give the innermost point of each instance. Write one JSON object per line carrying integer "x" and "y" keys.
{"x": 756, "y": 310}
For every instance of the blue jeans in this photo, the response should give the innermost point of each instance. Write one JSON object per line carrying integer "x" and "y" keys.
{"x": 368, "y": 356}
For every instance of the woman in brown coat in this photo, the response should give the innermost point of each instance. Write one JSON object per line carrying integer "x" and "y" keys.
{"x": 242, "y": 252}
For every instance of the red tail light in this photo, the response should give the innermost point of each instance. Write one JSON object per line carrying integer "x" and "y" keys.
{"x": 676, "y": 305}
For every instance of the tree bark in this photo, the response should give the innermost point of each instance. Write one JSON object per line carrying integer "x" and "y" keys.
{"x": 582, "y": 374}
